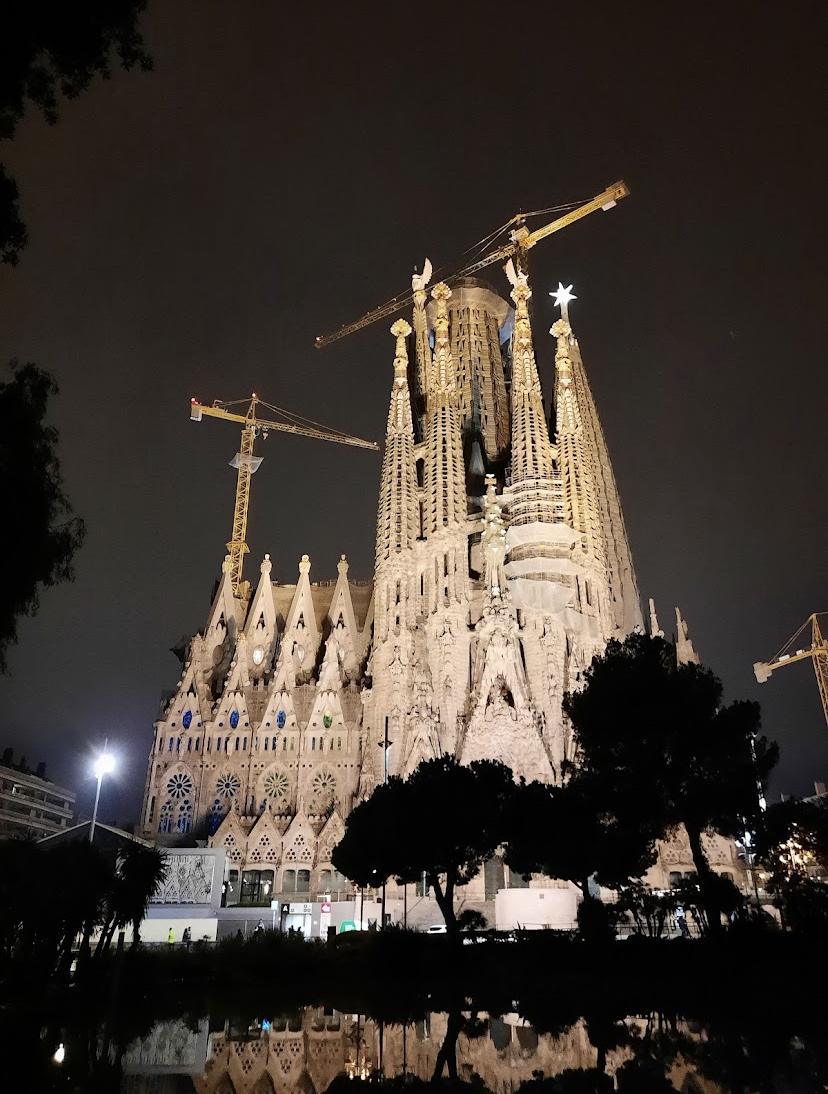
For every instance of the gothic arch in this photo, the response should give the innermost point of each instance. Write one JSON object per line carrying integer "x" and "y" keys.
{"x": 264, "y": 844}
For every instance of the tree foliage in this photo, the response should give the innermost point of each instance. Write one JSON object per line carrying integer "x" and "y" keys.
{"x": 792, "y": 847}
{"x": 443, "y": 822}
{"x": 570, "y": 832}
{"x": 654, "y": 741}
{"x": 51, "y": 50}
{"x": 53, "y": 896}
{"x": 40, "y": 549}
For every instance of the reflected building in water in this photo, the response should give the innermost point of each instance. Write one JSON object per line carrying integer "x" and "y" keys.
{"x": 309, "y": 1051}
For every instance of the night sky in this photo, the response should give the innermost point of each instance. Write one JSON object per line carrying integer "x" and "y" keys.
{"x": 282, "y": 169}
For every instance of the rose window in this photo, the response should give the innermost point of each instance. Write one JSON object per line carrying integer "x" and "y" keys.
{"x": 180, "y": 785}
{"x": 227, "y": 786}
{"x": 276, "y": 784}
{"x": 324, "y": 786}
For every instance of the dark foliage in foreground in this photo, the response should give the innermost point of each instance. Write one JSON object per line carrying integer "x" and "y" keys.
{"x": 50, "y": 50}
{"x": 41, "y": 931}
{"x": 656, "y": 746}
{"x": 443, "y": 822}
{"x": 40, "y": 548}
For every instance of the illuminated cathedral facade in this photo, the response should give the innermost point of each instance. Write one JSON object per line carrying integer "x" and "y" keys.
{"x": 502, "y": 567}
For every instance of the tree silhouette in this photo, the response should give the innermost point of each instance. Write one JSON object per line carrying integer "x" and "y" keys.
{"x": 571, "y": 833}
{"x": 51, "y": 50}
{"x": 40, "y": 549}
{"x": 792, "y": 846}
{"x": 139, "y": 873}
{"x": 654, "y": 740}
{"x": 443, "y": 822}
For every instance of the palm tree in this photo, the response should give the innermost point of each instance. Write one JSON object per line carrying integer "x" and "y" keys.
{"x": 139, "y": 874}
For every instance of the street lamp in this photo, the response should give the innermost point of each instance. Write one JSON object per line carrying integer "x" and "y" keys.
{"x": 103, "y": 765}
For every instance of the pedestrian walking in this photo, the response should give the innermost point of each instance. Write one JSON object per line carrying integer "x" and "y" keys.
{"x": 681, "y": 922}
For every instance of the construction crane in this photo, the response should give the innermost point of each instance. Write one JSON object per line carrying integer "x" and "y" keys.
{"x": 798, "y": 649}
{"x": 521, "y": 241}
{"x": 247, "y": 464}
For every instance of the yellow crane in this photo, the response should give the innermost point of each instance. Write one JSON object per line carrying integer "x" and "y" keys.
{"x": 521, "y": 241}
{"x": 246, "y": 463}
{"x": 808, "y": 642}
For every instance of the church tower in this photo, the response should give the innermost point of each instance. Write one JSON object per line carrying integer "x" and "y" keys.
{"x": 501, "y": 567}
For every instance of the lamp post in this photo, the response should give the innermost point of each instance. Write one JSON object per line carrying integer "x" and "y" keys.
{"x": 103, "y": 765}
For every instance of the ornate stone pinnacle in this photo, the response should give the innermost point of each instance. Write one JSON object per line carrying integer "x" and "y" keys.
{"x": 441, "y": 293}
{"x": 520, "y": 293}
{"x": 266, "y": 565}
{"x": 304, "y": 564}
{"x": 401, "y": 331}
{"x": 342, "y": 565}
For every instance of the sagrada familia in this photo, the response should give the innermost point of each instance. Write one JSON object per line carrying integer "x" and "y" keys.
{"x": 502, "y": 567}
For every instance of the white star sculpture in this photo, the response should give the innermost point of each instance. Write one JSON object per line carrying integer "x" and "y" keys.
{"x": 562, "y": 295}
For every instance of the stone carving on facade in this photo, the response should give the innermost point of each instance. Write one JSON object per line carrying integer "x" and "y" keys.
{"x": 481, "y": 614}
{"x": 189, "y": 880}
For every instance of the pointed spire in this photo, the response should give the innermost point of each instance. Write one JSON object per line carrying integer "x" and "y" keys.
{"x": 655, "y": 630}
{"x": 592, "y": 502}
{"x": 419, "y": 283}
{"x": 685, "y": 653}
{"x": 397, "y": 509}
{"x": 577, "y": 460}
{"x": 445, "y": 471}
{"x": 533, "y": 469}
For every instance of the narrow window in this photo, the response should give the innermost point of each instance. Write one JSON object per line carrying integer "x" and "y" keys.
{"x": 267, "y": 742}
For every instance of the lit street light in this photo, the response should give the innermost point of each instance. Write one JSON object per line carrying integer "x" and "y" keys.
{"x": 103, "y": 765}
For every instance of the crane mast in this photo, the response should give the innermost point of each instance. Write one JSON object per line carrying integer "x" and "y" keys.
{"x": 246, "y": 463}
{"x": 792, "y": 652}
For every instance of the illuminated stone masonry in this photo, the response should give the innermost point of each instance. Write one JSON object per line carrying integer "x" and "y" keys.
{"x": 502, "y": 566}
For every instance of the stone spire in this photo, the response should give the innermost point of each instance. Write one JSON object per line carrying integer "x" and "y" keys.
{"x": 685, "y": 653}
{"x": 397, "y": 509}
{"x": 445, "y": 477}
{"x": 533, "y": 498}
{"x": 655, "y": 630}
{"x": 591, "y": 499}
{"x": 421, "y": 344}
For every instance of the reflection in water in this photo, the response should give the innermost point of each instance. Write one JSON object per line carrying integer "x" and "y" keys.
{"x": 318, "y": 1049}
